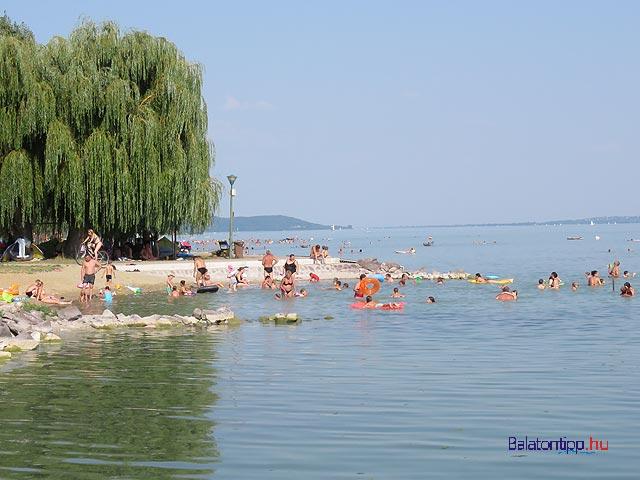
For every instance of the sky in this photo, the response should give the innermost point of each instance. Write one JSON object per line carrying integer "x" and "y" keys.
{"x": 406, "y": 113}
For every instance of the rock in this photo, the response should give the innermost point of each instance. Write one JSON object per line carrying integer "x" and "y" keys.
{"x": 5, "y": 355}
{"x": 5, "y": 331}
{"x": 109, "y": 314}
{"x": 164, "y": 323}
{"x": 70, "y": 313}
{"x": 17, "y": 345}
{"x": 36, "y": 336}
{"x": 51, "y": 337}
{"x": 44, "y": 327}
{"x": 217, "y": 316}
{"x": 149, "y": 319}
{"x": 36, "y": 316}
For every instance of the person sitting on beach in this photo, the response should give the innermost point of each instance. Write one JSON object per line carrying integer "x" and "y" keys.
{"x": 614, "y": 270}
{"x": 574, "y": 286}
{"x": 359, "y": 287}
{"x": 313, "y": 278}
{"x": 480, "y": 279}
{"x": 627, "y": 290}
{"x": 554, "y": 281}
{"x": 431, "y": 300}
{"x": 287, "y": 285}
{"x": 199, "y": 269}
{"x": 36, "y": 291}
{"x": 396, "y": 293}
{"x": 302, "y": 293}
{"x": 268, "y": 262}
{"x": 268, "y": 283}
{"x": 541, "y": 285}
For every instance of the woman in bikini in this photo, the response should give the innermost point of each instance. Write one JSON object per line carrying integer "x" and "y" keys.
{"x": 287, "y": 285}
{"x": 93, "y": 243}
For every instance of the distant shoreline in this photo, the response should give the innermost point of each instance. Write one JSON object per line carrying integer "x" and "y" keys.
{"x": 552, "y": 223}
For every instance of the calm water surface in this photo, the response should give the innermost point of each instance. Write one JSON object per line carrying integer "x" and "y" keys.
{"x": 433, "y": 391}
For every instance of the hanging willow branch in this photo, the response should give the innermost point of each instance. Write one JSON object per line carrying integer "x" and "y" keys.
{"x": 103, "y": 129}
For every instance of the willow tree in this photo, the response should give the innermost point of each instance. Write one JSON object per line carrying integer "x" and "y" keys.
{"x": 103, "y": 129}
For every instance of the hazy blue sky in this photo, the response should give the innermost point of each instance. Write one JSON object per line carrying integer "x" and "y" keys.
{"x": 392, "y": 113}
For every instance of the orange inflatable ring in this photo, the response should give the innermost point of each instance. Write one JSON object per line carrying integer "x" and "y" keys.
{"x": 369, "y": 286}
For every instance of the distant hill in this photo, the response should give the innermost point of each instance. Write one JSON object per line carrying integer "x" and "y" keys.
{"x": 579, "y": 221}
{"x": 268, "y": 223}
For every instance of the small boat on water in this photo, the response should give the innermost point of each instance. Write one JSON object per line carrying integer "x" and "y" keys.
{"x": 574, "y": 238}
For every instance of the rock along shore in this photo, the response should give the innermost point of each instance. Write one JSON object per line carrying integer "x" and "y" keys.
{"x": 22, "y": 328}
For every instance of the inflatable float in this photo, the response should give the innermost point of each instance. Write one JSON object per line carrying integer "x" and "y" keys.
{"x": 369, "y": 286}
{"x": 377, "y": 276}
{"x": 377, "y": 306}
{"x": 208, "y": 289}
{"x": 499, "y": 281}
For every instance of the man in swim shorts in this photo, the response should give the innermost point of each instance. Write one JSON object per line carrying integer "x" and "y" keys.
{"x": 268, "y": 262}
{"x": 88, "y": 277}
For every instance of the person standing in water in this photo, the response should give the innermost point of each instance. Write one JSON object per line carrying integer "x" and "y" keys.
{"x": 614, "y": 270}
{"x": 109, "y": 273}
{"x": 286, "y": 285}
{"x": 88, "y": 277}
{"x": 268, "y": 262}
{"x": 554, "y": 281}
{"x": 291, "y": 265}
{"x": 627, "y": 290}
{"x": 199, "y": 269}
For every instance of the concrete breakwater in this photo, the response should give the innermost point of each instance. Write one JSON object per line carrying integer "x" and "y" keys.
{"x": 219, "y": 269}
{"x": 24, "y": 329}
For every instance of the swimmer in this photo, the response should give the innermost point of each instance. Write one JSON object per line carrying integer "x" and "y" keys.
{"x": 601, "y": 282}
{"x": 183, "y": 289}
{"x": 593, "y": 279}
{"x": 286, "y": 285}
{"x": 507, "y": 296}
{"x": 541, "y": 285}
{"x": 302, "y": 293}
{"x": 403, "y": 280}
{"x": 345, "y": 286}
{"x": 396, "y": 293}
{"x": 628, "y": 274}
{"x": 440, "y": 281}
{"x": 480, "y": 279}
{"x": 268, "y": 282}
{"x": 431, "y": 300}
{"x": 357, "y": 290}
{"x": 574, "y": 286}
{"x": 614, "y": 270}
{"x": 627, "y": 290}
{"x": 387, "y": 278}
{"x": 174, "y": 292}
{"x": 369, "y": 303}
{"x": 337, "y": 285}
{"x": 313, "y": 277}
{"x": 554, "y": 281}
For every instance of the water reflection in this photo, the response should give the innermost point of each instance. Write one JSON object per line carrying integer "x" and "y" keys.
{"x": 128, "y": 405}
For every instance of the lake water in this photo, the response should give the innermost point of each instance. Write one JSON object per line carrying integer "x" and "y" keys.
{"x": 433, "y": 391}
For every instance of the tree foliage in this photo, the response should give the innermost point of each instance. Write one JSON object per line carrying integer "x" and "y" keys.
{"x": 103, "y": 129}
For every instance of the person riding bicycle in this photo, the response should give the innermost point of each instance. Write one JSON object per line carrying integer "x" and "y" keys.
{"x": 93, "y": 243}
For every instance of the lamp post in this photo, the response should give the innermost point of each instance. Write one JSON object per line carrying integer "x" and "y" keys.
{"x": 232, "y": 193}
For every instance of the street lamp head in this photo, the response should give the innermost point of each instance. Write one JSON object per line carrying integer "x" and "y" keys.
{"x": 232, "y": 179}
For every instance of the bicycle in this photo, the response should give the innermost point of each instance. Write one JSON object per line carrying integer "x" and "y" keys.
{"x": 102, "y": 256}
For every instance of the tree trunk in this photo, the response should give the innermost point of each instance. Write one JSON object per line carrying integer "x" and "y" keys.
{"x": 73, "y": 241}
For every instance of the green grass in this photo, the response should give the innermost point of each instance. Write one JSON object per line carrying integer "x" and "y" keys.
{"x": 30, "y": 307}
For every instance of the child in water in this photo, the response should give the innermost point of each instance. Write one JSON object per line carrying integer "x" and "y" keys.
{"x": 574, "y": 286}
{"x": 107, "y": 294}
{"x": 541, "y": 285}
{"x": 396, "y": 293}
